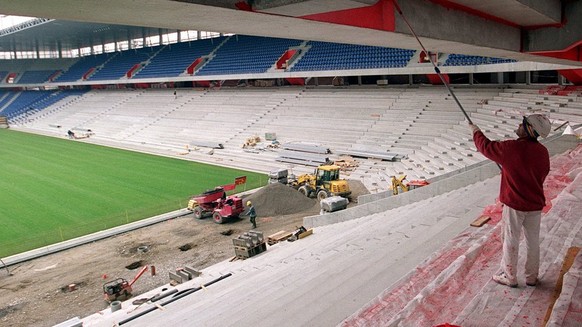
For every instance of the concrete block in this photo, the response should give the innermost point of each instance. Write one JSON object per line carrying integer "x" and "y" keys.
{"x": 334, "y": 203}
{"x": 175, "y": 278}
{"x": 193, "y": 272}
{"x": 184, "y": 275}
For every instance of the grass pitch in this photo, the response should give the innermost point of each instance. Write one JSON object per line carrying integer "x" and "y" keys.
{"x": 54, "y": 189}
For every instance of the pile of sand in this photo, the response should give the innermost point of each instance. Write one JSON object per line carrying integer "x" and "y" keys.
{"x": 278, "y": 200}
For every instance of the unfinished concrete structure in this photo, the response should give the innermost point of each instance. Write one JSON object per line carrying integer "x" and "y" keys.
{"x": 370, "y": 268}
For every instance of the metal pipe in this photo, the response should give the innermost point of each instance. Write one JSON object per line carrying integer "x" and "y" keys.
{"x": 437, "y": 71}
{"x": 564, "y": 124}
{"x": 163, "y": 295}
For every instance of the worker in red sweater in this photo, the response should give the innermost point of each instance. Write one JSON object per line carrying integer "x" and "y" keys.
{"x": 525, "y": 163}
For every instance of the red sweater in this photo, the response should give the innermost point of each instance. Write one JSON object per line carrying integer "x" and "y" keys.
{"x": 525, "y": 163}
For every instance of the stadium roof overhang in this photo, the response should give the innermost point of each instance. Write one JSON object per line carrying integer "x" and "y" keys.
{"x": 526, "y": 30}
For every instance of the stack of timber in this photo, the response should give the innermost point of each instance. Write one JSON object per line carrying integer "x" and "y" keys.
{"x": 278, "y": 237}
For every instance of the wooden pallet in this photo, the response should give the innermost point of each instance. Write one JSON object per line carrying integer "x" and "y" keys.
{"x": 244, "y": 252}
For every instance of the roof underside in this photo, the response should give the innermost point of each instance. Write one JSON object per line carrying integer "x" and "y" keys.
{"x": 82, "y": 24}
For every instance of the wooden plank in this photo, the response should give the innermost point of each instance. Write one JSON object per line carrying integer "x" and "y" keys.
{"x": 480, "y": 221}
{"x": 566, "y": 265}
{"x": 306, "y": 233}
{"x": 277, "y": 234}
{"x": 278, "y": 237}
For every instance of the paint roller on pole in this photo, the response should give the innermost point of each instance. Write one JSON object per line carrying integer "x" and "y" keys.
{"x": 437, "y": 71}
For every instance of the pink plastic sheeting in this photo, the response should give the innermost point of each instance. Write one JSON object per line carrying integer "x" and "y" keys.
{"x": 454, "y": 284}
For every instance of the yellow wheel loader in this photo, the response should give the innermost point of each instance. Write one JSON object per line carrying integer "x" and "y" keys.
{"x": 398, "y": 185}
{"x": 324, "y": 182}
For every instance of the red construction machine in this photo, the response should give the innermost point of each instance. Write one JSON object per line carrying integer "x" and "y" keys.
{"x": 217, "y": 204}
{"x": 120, "y": 289}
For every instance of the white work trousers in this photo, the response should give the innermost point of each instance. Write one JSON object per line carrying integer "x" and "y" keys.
{"x": 513, "y": 221}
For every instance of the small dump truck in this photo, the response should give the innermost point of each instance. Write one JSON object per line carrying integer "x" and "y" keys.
{"x": 216, "y": 203}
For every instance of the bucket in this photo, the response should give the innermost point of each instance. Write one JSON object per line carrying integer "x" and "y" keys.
{"x": 115, "y": 305}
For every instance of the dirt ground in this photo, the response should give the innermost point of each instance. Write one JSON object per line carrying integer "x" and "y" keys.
{"x": 37, "y": 292}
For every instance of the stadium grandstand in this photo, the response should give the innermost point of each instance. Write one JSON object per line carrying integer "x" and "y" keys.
{"x": 386, "y": 88}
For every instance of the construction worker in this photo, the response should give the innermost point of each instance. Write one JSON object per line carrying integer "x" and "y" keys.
{"x": 525, "y": 163}
{"x": 252, "y": 214}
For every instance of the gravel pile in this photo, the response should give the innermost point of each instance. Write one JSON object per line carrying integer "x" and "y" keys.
{"x": 278, "y": 200}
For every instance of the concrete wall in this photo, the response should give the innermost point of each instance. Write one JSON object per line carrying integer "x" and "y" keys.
{"x": 379, "y": 202}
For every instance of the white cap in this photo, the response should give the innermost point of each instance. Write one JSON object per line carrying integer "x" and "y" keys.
{"x": 540, "y": 124}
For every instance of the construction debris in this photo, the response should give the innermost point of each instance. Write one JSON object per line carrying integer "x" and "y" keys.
{"x": 251, "y": 141}
{"x": 300, "y": 233}
{"x": 274, "y": 145}
{"x": 76, "y": 136}
{"x": 346, "y": 163}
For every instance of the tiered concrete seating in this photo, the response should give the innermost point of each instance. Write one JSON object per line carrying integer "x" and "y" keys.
{"x": 88, "y": 112}
{"x": 425, "y": 116}
{"x": 519, "y": 102}
{"x": 423, "y": 124}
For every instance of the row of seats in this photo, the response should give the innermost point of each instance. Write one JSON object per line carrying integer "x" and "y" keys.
{"x": 173, "y": 59}
{"x": 464, "y": 60}
{"x": 248, "y": 54}
{"x": 330, "y": 56}
{"x": 24, "y": 103}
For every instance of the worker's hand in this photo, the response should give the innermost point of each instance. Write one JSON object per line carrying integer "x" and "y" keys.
{"x": 474, "y": 128}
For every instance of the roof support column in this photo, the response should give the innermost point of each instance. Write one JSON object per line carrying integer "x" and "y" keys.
{"x": 143, "y": 38}
{"x": 500, "y": 78}
{"x": 130, "y": 45}
{"x": 37, "y": 49}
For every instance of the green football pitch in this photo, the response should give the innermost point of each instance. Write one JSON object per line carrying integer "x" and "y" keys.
{"x": 55, "y": 189}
